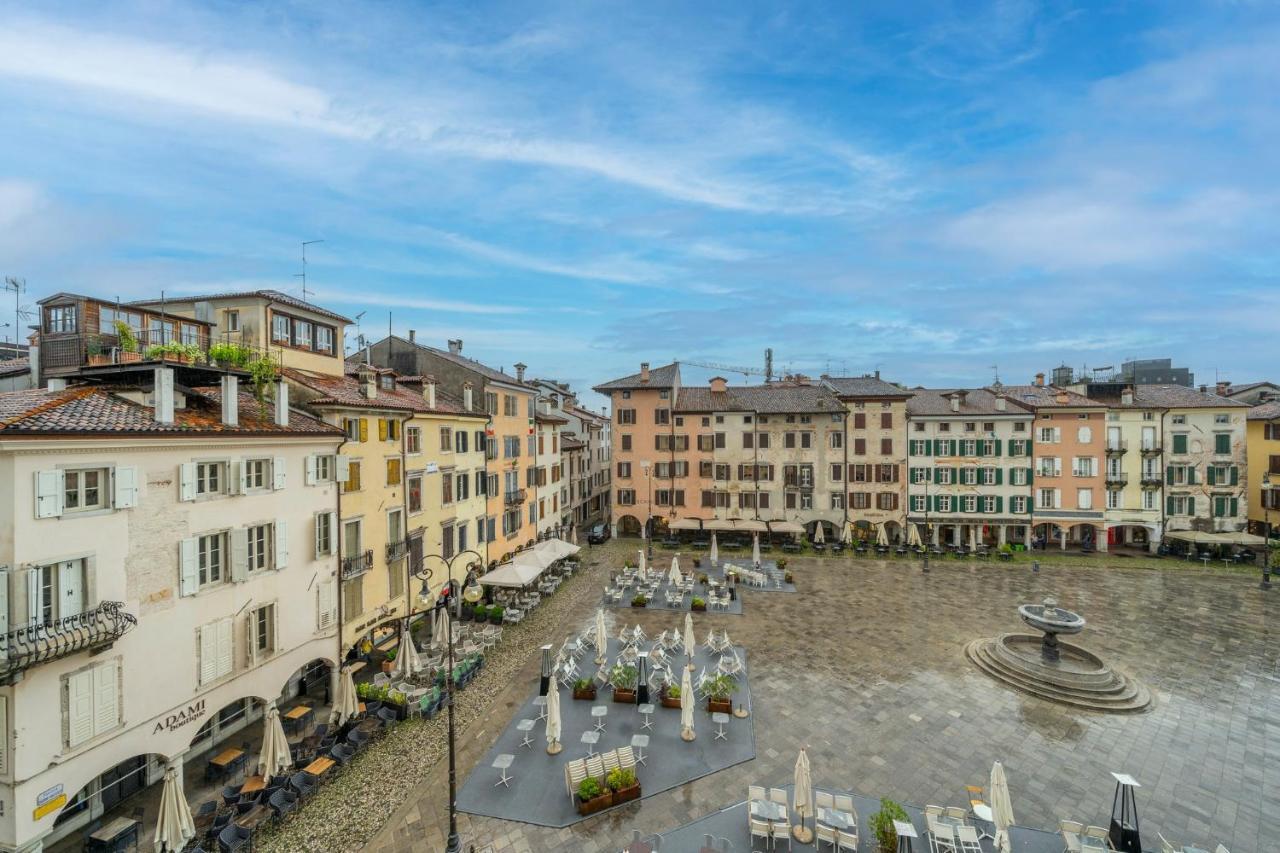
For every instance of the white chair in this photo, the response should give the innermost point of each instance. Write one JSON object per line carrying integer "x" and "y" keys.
{"x": 844, "y": 803}
{"x": 760, "y": 829}
{"x": 846, "y": 841}
{"x": 756, "y": 792}
{"x": 823, "y": 800}
{"x": 781, "y": 830}
{"x": 779, "y": 796}
{"x": 829, "y": 834}
{"x": 1165, "y": 845}
{"x": 942, "y": 838}
{"x": 967, "y": 837}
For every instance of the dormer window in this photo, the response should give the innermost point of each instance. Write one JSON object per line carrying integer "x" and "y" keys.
{"x": 61, "y": 319}
{"x": 387, "y": 382}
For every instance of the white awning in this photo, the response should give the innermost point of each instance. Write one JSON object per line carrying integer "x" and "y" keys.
{"x": 1201, "y": 538}
{"x": 523, "y": 570}
{"x": 718, "y": 524}
{"x": 750, "y": 525}
{"x": 551, "y": 550}
{"x": 785, "y": 527}
{"x": 685, "y": 524}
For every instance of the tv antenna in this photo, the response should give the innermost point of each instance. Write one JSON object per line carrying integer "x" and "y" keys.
{"x": 303, "y": 275}
{"x": 359, "y": 334}
{"x": 17, "y": 286}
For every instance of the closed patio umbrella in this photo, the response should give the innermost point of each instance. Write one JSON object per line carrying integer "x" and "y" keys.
{"x": 602, "y": 639}
{"x": 643, "y": 568}
{"x": 819, "y": 534}
{"x": 675, "y": 564}
{"x": 846, "y": 535}
{"x": 802, "y": 797}
{"x": 174, "y": 825}
{"x": 438, "y": 627}
{"x": 274, "y": 757}
{"x": 882, "y": 536}
{"x": 573, "y": 534}
{"x": 673, "y": 576}
{"x": 553, "y": 719}
{"x": 345, "y": 704}
{"x": 686, "y": 706}
{"x": 1001, "y": 808}
{"x": 690, "y": 642}
{"x": 410, "y": 662}
{"x": 715, "y": 549}
{"x": 973, "y": 537}
{"x": 913, "y": 536}
{"x": 755, "y": 550}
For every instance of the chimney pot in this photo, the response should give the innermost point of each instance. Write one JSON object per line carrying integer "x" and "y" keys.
{"x": 1002, "y": 405}
{"x": 368, "y": 382}
{"x": 877, "y": 373}
{"x": 455, "y": 346}
{"x": 644, "y": 371}
{"x": 429, "y": 390}
{"x": 1223, "y": 387}
{"x": 413, "y": 336}
{"x": 1126, "y": 396}
{"x": 468, "y": 396}
{"x": 1204, "y": 389}
{"x": 282, "y": 403}
{"x": 719, "y": 384}
{"x": 1039, "y": 380}
{"x": 163, "y": 392}
{"x": 520, "y": 369}
{"x": 231, "y": 400}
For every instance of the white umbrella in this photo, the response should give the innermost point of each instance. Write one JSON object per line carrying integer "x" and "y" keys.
{"x": 1001, "y": 808}
{"x": 715, "y": 550}
{"x": 755, "y": 550}
{"x": 819, "y": 535}
{"x": 553, "y": 718}
{"x": 913, "y": 536}
{"x": 882, "y": 536}
{"x": 602, "y": 639}
{"x": 802, "y": 796}
{"x": 573, "y": 534}
{"x": 345, "y": 704}
{"x": 407, "y": 657}
{"x": 690, "y": 642}
{"x": 686, "y": 706}
{"x": 675, "y": 564}
{"x": 643, "y": 567}
{"x": 174, "y": 825}
{"x": 673, "y": 576}
{"x": 274, "y": 757}
{"x": 438, "y": 627}
{"x": 973, "y": 537}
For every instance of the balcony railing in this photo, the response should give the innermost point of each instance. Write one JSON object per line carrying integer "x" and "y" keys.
{"x": 103, "y": 349}
{"x": 1152, "y": 450}
{"x": 397, "y": 550}
{"x": 1116, "y": 479}
{"x": 23, "y": 648}
{"x": 1117, "y": 447}
{"x": 355, "y": 566}
{"x": 1150, "y": 481}
{"x": 515, "y": 496}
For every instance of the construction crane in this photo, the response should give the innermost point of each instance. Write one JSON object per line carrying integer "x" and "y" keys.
{"x": 767, "y": 372}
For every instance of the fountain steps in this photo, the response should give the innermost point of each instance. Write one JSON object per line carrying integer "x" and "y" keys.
{"x": 1107, "y": 691}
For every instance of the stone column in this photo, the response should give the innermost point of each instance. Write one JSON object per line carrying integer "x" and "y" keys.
{"x": 955, "y": 534}
{"x": 1001, "y": 532}
{"x": 1062, "y": 537}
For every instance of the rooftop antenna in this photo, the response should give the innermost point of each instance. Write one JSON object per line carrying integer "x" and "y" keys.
{"x": 303, "y": 275}
{"x": 359, "y": 334}
{"x": 995, "y": 373}
{"x": 17, "y": 286}
{"x": 768, "y": 365}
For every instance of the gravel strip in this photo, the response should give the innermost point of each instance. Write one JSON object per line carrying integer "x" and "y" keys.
{"x": 349, "y": 809}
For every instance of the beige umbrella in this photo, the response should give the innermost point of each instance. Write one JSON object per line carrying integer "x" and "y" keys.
{"x": 643, "y": 567}
{"x": 438, "y": 627}
{"x": 819, "y": 534}
{"x": 408, "y": 659}
{"x": 913, "y": 536}
{"x": 802, "y": 797}
{"x": 973, "y": 537}
{"x": 755, "y": 550}
{"x": 274, "y": 757}
{"x": 1001, "y": 808}
{"x": 553, "y": 719}
{"x": 715, "y": 549}
{"x": 846, "y": 535}
{"x": 690, "y": 642}
{"x": 602, "y": 638}
{"x": 673, "y": 576}
{"x": 686, "y": 706}
{"x": 174, "y": 825}
{"x": 573, "y": 534}
{"x": 675, "y": 564}
{"x": 345, "y": 705}
{"x": 882, "y": 536}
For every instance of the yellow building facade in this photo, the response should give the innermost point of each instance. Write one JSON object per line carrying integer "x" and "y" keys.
{"x": 1262, "y": 437}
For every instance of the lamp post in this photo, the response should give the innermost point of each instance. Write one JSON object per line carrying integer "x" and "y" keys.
{"x": 471, "y": 593}
{"x": 649, "y": 523}
{"x": 1266, "y": 533}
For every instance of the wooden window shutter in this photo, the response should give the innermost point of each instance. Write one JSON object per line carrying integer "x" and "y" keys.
{"x": 382, "y": 429}
{"x": 124, "y": 481}
{"x": 188, "y": 568}
{"x": 364, "y": 429}
{"x": 79, "y": 707}
{"x": 187, "y": 481}
{"x": 106, "y": 697}
{"x": 48, "y": 494}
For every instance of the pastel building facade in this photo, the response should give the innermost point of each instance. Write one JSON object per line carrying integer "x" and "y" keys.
{"x": 875, "y": 449}
{"x": 1263, "y": 442}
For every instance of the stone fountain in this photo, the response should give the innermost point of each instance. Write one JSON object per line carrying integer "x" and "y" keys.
{"x": 1044, "y": 666}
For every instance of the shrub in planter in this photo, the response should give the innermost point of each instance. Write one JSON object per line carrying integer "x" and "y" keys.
{"x": 639, "y": 601}
{"x": 882, "y": 824}
{"x": 468, "y": 610}
{"x": 389, "y": 662}
{"x": 480, "y": 613}
{"x": 720, "y": 690}
{"x": 786, "y": 576}
{"x": 702, "y": 578}
{"x": 592, "y": 798}
{"x": 698, "y": 604}
{"x": 128, "y": 341}
{"x": 495, "y": 614}
{"x": 584, "y": 688}
{"x": 623, "y": 784}
{"x": 624, "y": 678}
{"x": 782, "y": 563}
{"x": 671, "y": 698}
{"x": 230, "y": 355}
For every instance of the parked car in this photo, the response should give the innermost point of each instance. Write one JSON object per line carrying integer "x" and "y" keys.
{"x": 598, "y": 535}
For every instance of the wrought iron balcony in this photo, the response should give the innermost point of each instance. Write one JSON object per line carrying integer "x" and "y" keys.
{"x": 515, "y": 496}
{"x": 355, "y": 566}
{"x": 1151, "y": 481}
{"x": 92, "y": 630}
{"x": 1117, "y": 479}
{"x": 397, "y": 550}
{"x": 1117, "y": 448}
{"x": 1152, "y": 450}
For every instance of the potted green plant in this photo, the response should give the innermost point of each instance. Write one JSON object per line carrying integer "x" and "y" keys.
{"x": 389, "y": 661}
{"x": 624, "y": 785}
{"x": 882, "y": 824}
{"x": 624, "y": 678}
{"x": 468, "y": 610}
{"x": 262, "y": 372}
{"x": 128, "y": 341}
{"x": 94, "y": 350}
{"x": 720, "y": 690}
{"x": 787, "y": 577}
{"x": 702, "y": 578}
{"x": 230, "y": 355}
{"x": 495, "y": 614}
{"x": 480, "y": 613}
{"x": 639, "y": 601}
{"x": 671, "y": 696}
{"x": 697, "y": 562}
{"x": 782, "y": 563}
{"x": 698, "y": 605}
{"x": 584, "y": 688}
{"x": 592, "y": 797}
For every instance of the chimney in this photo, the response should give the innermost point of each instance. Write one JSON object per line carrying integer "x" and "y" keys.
{"x": 230, "y": 399}
{"x": 1204, "y": 389}
{"x": 955, "y": 401}
{"x": 644, "y": 371}
{"x": 719, "y": 385}
{"x": 413, "y": 336}
{"x": 57, "y": 385}
{"x": 520, "y": 369}
{"x": 877, "y": 373}
{"x": 282, "y": 403}
{"x": 1002, "y": 405}
{"x": 1126, "y": 396}
{"x": 429, "y": 390}
{"x": 1039, "y": 380}
{"x": 468, "y": 396}
{"x": 162, "y": 391}
{"x": 1062, "y": 397}
{"x": 368, "y": 379}
{"x": 1223, "y": 387}
{"x": 455, "y": 347}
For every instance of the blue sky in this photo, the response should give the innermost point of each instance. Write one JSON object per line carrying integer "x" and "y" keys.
{"x": 926, "y": 188}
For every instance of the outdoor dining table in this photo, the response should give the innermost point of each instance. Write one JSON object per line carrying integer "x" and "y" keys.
{"x": 120, "y": 834}
{"x": 253, "y": 785}
{"x": 836, "y": 818}
{"x": 319, "y": 767}
{"x": 767, "y": 810}
{"x": 255, "y": 816}
{"x": 226, "y": 761}
{"x": 1088, "y": 843}
{"x": 297, "y": 719}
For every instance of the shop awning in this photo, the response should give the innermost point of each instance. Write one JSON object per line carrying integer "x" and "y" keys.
{"x": 685, "y": 524}
{"x": 1201, "y": 538}
{"x": 785, "y": 527}
{"x": 750, "y": 525}
{"x": 551, "y": 550}
{"x": 718, "y": 524}
{"x": 523, "y": 570}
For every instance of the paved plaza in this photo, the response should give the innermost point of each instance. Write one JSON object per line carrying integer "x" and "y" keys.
{"x": 865, "y": 665}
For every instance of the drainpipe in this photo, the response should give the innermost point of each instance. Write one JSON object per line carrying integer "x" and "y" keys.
{"x": 337, "y": 540}
{"x": 1164, "y": 501}
{"x": 404, "y": 520}
{"x": 844, "y": 472}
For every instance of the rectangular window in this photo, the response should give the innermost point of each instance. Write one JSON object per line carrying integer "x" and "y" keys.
{"x": 1179, "y": 442}
{"x": 413, "y": 439}
{"x": 917, "y": 503}
{"x": 324, "y": 533}
{"x": 353, "y": 477}
{"x": 413, "y": 489}
{"x": 1084, "y": 466}
{"x": 835, "y": 440}
{"x": 62, "y": 319}
{"x": 886, "y": 447}
{"x": 280, "y": 329}
{"x": 1084, "y": 498}
{"x": 93, "y": 702}
{"x": 302, "y": 334}
{"x": 460, "y": 440}
{"x": 264, "y": 630}
{"x": 257, "y": 473}
{"x": 627, "y": 416}
{"x": 259, "y": 547}
{"x": 211, "y": 552}
{"x": 662, "y": 416}
{"x": 324, "y": 340}
{"x": 837, "y": 471}
{"x": 626, "y": 497}
{"x": 1222, "y": 443}
{"x": 215, "y": 650}
{"x": 970, "y": 503}
{"x": 85, "y": 489}
{"x": 351, "y": 426}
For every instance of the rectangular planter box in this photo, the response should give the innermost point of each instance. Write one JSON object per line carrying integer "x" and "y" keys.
{"x": 668, "y": 702}
{"x": 592, "y": 806}
{"x": 698, "y": 608}
{"x": 626, "y": 696}
{"x": 635, "y": 604}
{"x": 723, "y": 706}
{"x": 626, "y": 795}
{"x": 589, "y": 695}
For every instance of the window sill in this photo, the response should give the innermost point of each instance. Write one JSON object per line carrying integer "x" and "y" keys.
{"x": 86, "y": 513}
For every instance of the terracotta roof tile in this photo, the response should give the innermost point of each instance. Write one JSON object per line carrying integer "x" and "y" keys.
{"x": 1265, "y": 411}
{"x": 659, "y": 377}
{"x": 344, "y": 391}
{"x": 1048, "y": 397}
{"x": 925, "y": 402}
{"x": 864, "y": 386}
{"x": 272, "y": 295}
